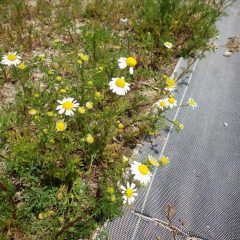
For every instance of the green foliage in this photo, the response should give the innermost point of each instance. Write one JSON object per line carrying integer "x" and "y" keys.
{"x": 188, "y": 24}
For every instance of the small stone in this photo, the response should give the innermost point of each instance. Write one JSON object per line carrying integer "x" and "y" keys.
{"x": 228, "y": 54}
{"x": 225, "y": 124}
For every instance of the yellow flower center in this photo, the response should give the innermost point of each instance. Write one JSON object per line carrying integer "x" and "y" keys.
{"x": 84, "y": 57}
{"x": 154, "y": 162}
{"x": 68, "y": 105}
{"x": 11, "y": 57}
{"x": 63, "y": 90}
{"x": 143, "y": 169}
{"x": 90, "y": 139}
{"x": 120, "y": 82}
{"x": 50, "y": 114}
{"x": 32, "y": 111}
{"x": 162, "y": 104}
{"x": 171, "y": 100}
{"x": 98, "y": 94}
{"x": 22, "y": 66}
{"x": 81, "y": 110}
{"x": 129, "y": 192}
{"x": 191, "y": 102}
{"x": 131, "y": 62}
{"x": 89, "y": 105}
{"x": 164, "y": 160}
{"x": 60, "y": 126}
{"x": 110, "y": 190}
{"x": 170, "y": 82}
{"x": 120, "y": 126}
{"x": 113, "y": 198}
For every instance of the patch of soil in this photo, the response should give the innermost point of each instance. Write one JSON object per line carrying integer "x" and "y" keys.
{"x": 7, "y": 94}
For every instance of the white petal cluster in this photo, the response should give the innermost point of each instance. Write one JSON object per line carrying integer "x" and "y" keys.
{"x": 67, "y": 106}
{"x": 119, "y": 86}
{"x": 141, "y": 172}
{"x": 129, "y": 193}
{"x": 12, "y": 58}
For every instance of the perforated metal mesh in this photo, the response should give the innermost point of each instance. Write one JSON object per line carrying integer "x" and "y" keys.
{"x": 203, "y": 179}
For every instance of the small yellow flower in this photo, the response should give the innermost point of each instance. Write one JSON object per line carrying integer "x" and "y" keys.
{"x": 97, "y": 94}
{"x": 170, "y": 82}
{"x": 181, "y": 126}
{"x": 45, "y": 130}
{"x": 63, "y": 90}
{"x": 153, "y": 161}
{"x": 36, "y": 95}
{"x": 192, "y": 103}
{"x": 79, "y": 62}
{"x": 59, "y": 78}
{"x": 90, "y": 82}
{"x": 131, "y": 62}
{"x": 112, "y": 198}
{"x": 61, "y": 125}
{"x": 164, "y": 160}
{"x": 89, "y": 139}
{"x": 42, "y": 57}
{"x": 116, "y": 47}
{"x": 61, "y": 192}
{"x": 52, "y": 141}
{"x": 125, "y": 159}
{"x": 89, "y": 105}
{"x": 172, "y": 102}
{"x": 21, "y": 66}
{"x": 110, "y": 190}
{"x": 83, "y": 57}
{"x": 81, "y": 110}
{"x": 42, "y": 216}
{"x": 50, "y": 114}
{"x": 120, "y": 126}
{"x": 32, "y": 111}
{"x": 50, "y": 72}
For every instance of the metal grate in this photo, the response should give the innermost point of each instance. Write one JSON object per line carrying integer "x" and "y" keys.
{"x": 203, "y": 179}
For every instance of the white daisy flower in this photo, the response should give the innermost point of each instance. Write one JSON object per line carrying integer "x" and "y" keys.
{"x": 163, "y": 103}
{"x": 119, "y": 86}
{"x": 67, "y": 106}
{"x": 129, "y": 193}
{"x": 171, "y": 88}
{"x": 172, "y": 102}
{"x": 192, "y": 103}
{"x": 130, "y": 62}
{"x": 168, "y": 45}
{"x": 171, "y": 85}
{"x": 141, "y": 172}
{"x": 12, "y": 58}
